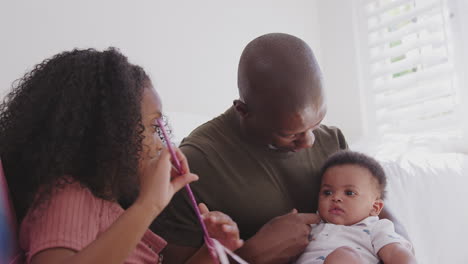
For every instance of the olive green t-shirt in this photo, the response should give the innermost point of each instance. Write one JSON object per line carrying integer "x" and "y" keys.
{"x": 252, "y": 184}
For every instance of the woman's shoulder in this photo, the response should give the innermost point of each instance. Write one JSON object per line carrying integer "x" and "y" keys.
{"x": 70, "y": 194}
{"x": 68, "y": 199}
{"x": 71, "y": 218}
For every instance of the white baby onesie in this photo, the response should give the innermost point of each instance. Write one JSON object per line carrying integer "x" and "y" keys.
{"x": 366, "y": 237}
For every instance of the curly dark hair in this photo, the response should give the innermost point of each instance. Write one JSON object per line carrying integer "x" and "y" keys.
{"x": 347, "y": 157}
{"x": 76, "y": 114}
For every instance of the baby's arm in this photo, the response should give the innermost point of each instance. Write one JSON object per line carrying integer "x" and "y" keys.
{"x": 396, "y": 253}
{"x": 389, "y": 246}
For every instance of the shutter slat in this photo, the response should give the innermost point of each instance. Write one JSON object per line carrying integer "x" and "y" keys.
{"x": 431, "y": 23}
{"x": 409, "y": 63}
{"x": 406, "y": 16}
{"x": 404, "y": 48}
{"x": 418, "y": 111}
{"x": 410, "y": 126}
{"x": 387, "y": 7}
{"x": 417, "y": 96}
{"x": 440, "y": 71}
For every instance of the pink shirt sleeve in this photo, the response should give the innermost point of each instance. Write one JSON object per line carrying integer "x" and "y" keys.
{"x": 69, "y": 220}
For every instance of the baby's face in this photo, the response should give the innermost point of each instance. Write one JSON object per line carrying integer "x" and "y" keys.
{"x": 348, "y": 194}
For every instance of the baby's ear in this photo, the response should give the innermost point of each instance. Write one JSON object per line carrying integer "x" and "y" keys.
{"x": 377, "y": 207}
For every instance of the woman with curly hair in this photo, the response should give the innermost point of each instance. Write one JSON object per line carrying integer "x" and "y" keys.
{"x": 78, "y": 134}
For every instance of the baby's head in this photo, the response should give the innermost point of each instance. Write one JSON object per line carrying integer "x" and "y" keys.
{"x": 352, "y": 188}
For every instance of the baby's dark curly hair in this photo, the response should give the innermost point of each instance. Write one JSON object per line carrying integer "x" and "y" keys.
{"x": 76, "y": 114}
{"x": 347, "y": 157}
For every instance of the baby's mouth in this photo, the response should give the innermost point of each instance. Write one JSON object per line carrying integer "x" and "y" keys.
{"x": 336, "y": 211}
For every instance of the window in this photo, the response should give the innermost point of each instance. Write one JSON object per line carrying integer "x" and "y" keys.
{"x": 408, "y": 67}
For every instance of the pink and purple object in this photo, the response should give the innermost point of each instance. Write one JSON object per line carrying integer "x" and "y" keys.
{"x": 209, "y": 242}
{"x": 10, "y": 252}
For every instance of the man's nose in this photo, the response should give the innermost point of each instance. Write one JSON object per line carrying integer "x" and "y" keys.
{"x": 306, "y": 140}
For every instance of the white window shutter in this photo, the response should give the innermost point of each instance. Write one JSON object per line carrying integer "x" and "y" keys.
{"x": 408, "y": 65}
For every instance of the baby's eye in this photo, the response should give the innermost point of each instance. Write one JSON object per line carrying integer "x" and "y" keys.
{"x": 327, "y": 192}
{"x": 350, "y": 193}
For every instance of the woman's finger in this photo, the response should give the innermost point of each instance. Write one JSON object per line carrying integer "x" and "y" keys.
{"x": 203, "y": 208}
{"x": 179, "y": 182}
{"x": 183, "y": 161}
{"x": 215, "y": 217}
{"x": 229, "y": 228}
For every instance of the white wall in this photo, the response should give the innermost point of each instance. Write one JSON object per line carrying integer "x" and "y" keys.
{"x": 190, "y": 48}
{"x": 339, "y": 66}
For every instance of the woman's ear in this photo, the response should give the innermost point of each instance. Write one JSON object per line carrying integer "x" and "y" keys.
{"x": 241, "y": 108}
{"x": 377, "y": 207}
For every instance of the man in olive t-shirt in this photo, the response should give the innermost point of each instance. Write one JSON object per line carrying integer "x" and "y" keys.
{"x": 250, "y": 183}
{"x": 259, "y": 161}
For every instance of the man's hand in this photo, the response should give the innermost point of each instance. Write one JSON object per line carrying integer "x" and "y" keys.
{"x": 280, "y": 240}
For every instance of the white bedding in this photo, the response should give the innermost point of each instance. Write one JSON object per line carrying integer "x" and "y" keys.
{"x": 427, "y": 192}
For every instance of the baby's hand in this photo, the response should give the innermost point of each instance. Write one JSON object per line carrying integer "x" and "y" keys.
{"x": 221, "y": 227}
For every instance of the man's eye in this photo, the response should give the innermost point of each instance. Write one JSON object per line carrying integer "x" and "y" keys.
{"x": 350, "y": 193}
{"x": 327, "y": 192}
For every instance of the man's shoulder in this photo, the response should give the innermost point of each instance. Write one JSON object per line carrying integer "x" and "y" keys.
{"x": 326, "y": 130}
{"x": 330, "y": 135}
{"x": 203, "y": 130}
{"x": 214, "y": 132}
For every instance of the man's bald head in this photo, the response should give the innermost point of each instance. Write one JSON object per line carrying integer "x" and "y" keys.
{"x": 279, "y": 72}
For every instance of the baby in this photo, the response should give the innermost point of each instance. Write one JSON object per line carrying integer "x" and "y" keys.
{"x": 351, "y": 197}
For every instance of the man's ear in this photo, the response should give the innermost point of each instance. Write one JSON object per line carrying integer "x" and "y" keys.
{"x": 377, "y": 207}
{"x": 241, "y": 108}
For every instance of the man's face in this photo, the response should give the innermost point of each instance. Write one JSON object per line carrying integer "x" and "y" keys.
{"x": 348, "y": 194}
{"x": 287, "y": 131}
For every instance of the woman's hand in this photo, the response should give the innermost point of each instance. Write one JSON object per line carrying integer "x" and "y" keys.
{"x": 160, "y": 180}
{"x": 221, "y": 227}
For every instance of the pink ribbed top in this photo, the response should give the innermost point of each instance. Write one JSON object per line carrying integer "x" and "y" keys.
{"x": 73, "y": 219}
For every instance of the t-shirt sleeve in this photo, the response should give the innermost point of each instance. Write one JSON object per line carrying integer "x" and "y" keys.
{"x": 330, "y": 138}
{"x": 341, "y": 139}
{"x": 383, "y": 233}
{"x": 70, "y": 219}
{"x": 178, "y": 224}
